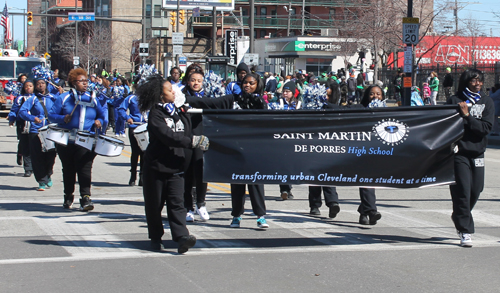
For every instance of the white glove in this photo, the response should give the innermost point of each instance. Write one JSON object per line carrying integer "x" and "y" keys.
{"x": 201, "y": 142}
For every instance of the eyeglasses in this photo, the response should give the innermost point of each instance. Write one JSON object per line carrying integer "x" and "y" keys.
{"x": 83, "y": 81}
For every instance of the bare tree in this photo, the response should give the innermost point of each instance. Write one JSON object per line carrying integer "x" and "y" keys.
{"x": 94, "y": 45}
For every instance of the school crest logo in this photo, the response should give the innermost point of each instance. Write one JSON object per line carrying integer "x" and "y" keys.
{"x": 391, "y": 131}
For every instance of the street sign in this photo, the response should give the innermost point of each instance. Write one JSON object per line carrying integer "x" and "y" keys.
{"x": 176, "y": 50}
{"x": 410, "y": 30}
{"x": 76, "y": 60}
{"x": 177, "y": 38}
{"x": 408, "y": 60}
{"x": 81, "y": 16}
{"x": 407, "y": 81}
{"x": 144, "y": 49}
{"x": 182, "y": 61}
{"x": 251, "y": 59}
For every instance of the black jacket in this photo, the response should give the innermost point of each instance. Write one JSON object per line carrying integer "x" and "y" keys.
{"x": 476, "y": 126}
{"x": 168, "y": 136}
{"x": 448, "y": 80}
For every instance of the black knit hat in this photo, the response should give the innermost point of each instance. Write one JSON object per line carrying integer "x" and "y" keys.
{"x": 290, "y": 85}
{"x": 242, "y": 67}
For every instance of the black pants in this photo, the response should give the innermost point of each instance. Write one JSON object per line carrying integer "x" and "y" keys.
{"x": 368, "y": 201}
{"x": 194, "y": 176}
{"x": 329, "y": 192}
{"x": 257, "y": 198}
{"x": 158, "y": 189}
{"x": 23, "y": 148}
{"x": 285, "y": 187}
{"x": 42, "y": 162}
{"x": 469, "y": 178}
{"x": 111, "y": 115}
{"x": 136, "y": 154}
{"x": 76, "y": 160}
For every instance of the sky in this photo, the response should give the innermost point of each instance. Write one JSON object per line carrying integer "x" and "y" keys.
{"x": 481, "y": 10}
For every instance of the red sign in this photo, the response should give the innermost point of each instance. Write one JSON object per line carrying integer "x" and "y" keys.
{"x": 450, "y": 50}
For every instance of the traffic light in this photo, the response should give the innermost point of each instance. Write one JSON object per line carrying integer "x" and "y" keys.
{"x": 173, "y": 16}
{"x": 30, "y": 18}
{"x": 182, "y": 15}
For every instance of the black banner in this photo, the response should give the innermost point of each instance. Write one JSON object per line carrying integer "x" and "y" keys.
{"x": 402, "y": 147}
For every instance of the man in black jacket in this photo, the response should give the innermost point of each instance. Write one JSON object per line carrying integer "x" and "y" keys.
{"x": 448, "y": 83}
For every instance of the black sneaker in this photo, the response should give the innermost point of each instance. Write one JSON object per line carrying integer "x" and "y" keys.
{"x": 374, "y": 217}
{"x": 334, "y": 210}
{"x": 68, "y": 201}
{"x": 185, "y": 243}
{"x": 86, "y": 203}
{"x": 27, "y": 173}
{"x": 315, "y": 212}
{"x": 19, "y": 160}
{"x": 363, "y": 219}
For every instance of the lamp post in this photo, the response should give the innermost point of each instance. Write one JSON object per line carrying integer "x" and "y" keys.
{"x": 289, "y": 10}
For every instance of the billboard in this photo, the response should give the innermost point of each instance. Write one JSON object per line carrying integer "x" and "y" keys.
{"x": 203, "y": 5}
{"x": 450, "y": 50}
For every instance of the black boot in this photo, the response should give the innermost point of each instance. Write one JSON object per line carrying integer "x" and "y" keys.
{"x": 140, "y": 180}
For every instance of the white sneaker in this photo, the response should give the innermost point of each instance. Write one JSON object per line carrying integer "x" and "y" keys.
{"x": 190, "y": 216}
{"x": 123, "y": 135}
{"x": 465, "y": 239}
{"x": 203, "y": 213}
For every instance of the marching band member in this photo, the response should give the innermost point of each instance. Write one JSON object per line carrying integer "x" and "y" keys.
{"x": 135, "y": 116}
{"x": 35, "y": 111}
{"x": 250, "y": 98}
{"x": 22, "y": 127}
{"x": 77, "y": 110}
{"x": 169, "y": 128}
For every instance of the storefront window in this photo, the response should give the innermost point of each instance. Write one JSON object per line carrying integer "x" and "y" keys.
{"x": 318, "y": 65}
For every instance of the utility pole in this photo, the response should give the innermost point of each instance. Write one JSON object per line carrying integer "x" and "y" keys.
{"x": 214, "y": 31}
{"x": 289, "y": 10}
{"x": 143, "y": 58}
{"x": 46, "y": 27}
{"x": 76, "y": 32}
{"x": 252, "y": 25}
{"x": 303, "y": 15}
{"x": 456, "y": 17}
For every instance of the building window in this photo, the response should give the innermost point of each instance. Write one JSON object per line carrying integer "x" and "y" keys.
{"x": 157, "y": 11}
{"x": 148, "y": 10}
{"x": 332, "y": 13}
{"x": 245, "y": 11}
{"x": 262, "y": 33}
{"x": 292, "y": 11}
{"x": 263, "y": 11}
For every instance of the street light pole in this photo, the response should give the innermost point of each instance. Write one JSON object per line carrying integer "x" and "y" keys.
{"x": 303, "y": 15}
{"x": 289, "y": 13}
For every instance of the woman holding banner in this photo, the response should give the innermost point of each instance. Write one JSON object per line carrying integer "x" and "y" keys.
{"x": 478, "y": 112}
{"x": 250, "y": 98}
{"x": 169, "y": 127}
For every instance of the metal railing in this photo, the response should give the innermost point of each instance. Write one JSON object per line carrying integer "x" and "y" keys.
{"x": 274, "y": 22}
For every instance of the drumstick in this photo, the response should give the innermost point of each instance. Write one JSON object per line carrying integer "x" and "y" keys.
{"x": 77, "y": 102}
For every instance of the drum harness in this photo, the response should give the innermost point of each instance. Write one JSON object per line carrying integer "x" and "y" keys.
{"x": 83, "y": 111}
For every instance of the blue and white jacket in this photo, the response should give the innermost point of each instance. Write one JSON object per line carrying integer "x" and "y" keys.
{"x": 33, "y": 108}
{"x": 16, "y": 106}
{"x": 132, "y": 104}
{"x": 87, "y": 111}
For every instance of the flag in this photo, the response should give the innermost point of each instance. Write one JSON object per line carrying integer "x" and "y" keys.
{"x": 4, "y": 21}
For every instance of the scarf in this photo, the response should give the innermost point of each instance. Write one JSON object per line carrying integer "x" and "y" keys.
{"x": 472, "y": 98}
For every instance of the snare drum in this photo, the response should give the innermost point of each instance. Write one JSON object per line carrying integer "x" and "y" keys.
{"x": 58, "y": 135}
{"x": 142, "y": 136}
{"x": 47, "y": 145}
{"x": 108, "y": 146}
{"x": 85, "y": 139}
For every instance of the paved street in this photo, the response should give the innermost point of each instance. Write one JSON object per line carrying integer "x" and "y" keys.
{"x": 413, "y": 248}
